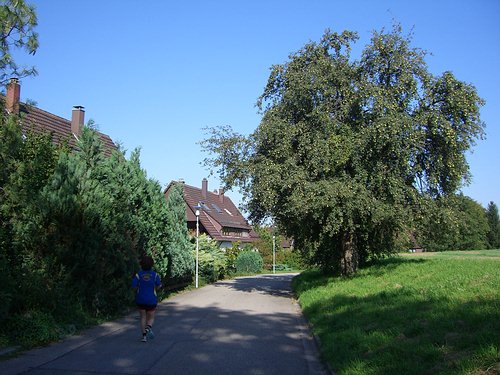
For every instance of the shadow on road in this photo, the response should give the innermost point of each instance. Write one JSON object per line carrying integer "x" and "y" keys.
{"x": 210, "y": 338}
{"x": 275, "y": 285}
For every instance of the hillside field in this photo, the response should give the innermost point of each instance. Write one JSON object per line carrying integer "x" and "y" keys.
{"x": 423, "y": 313}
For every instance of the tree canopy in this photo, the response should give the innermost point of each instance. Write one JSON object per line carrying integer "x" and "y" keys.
{"x": 18, "y": 20}
{"x": 347, "y": 149}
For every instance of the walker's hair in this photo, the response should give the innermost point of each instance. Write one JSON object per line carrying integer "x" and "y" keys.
{"x": 147, "y": 262}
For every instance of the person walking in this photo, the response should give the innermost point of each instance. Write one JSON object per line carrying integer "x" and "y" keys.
{"x": 146, "y": 282}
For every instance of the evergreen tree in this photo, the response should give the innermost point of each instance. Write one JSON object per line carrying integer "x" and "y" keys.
{"x": 494, "y": 226}
{"x": 29, "y": 161}
{"x": 181, "y": 260}
{"x": 10, "y": 154}
{"x": 18, "y": 21}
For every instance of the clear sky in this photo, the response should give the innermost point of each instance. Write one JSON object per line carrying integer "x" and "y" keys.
{"x": 152, "y": 74}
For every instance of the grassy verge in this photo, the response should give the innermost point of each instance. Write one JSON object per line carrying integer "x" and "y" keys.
{"x": 33, "y": 329}
{"x": 419, "y": 314}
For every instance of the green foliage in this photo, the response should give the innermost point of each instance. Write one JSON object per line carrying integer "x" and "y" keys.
{"x": 265, "y": 246}
{"x": 347, "y": 149}
{"x": 494, "y": 226}
{"x": 26, "y": 168}
{"x": 72, "y": 228}
{"x": 86, "y": 230}
{"x": 178, "y": 246}
{"x": 212, "y": 263}
{"x": 231, "y": 256}
{"x": 249, "y": 262}
{"x": 33, "y": 329}
{"x": 407, "y": 316}
{"x": 453, "y": 223}
{"x": 294, "y": 259}
{"x": 286, "y": 257}
{"x": 7, "y": 281}
{"x": 18, "y": 20}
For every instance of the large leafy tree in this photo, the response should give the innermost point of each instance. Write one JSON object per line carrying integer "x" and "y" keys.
{"x": 347, "y": 148}
{"x": 18, "y": 20}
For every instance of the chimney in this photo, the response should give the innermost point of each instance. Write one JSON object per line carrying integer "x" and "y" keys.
{"x": 221, "y": 195}
{"x": 204, "y": 188}
{"x": 13, "y": 96}
{"x": 77, "y": 118}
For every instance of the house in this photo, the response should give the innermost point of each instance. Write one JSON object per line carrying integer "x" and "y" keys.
{"x": 218, "y": 216}
{"x": 40, "y": 121}
{"x": 416, "y": 247}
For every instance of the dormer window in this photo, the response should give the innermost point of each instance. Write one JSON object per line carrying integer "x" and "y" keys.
{"x": 217, "y": 208}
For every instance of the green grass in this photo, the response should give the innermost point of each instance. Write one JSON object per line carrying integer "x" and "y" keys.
{"x": 418, "y": 314}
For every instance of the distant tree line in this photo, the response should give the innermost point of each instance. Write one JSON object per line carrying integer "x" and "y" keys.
{"x": 457, "y": 222}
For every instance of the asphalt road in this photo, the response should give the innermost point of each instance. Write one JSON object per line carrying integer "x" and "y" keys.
{"x": 250, "y": 325}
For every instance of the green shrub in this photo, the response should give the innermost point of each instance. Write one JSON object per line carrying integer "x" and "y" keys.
{"x": 32, "y": 329}
{"x": 8, "y": 286}
{"x": 294, "y": 259}
{"x": 211, "y": 260}
{"x": 249, "y": 262}
{"x": 212, "y": 265}
{"x": 231, "y": 256}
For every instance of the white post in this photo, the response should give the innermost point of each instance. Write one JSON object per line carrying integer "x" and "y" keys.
{"x": 197, "y": 213}
{"x": 274, "y": 254}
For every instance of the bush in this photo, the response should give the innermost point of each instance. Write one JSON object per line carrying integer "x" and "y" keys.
{"x": 249, "y": 262}
{"x": 212, "y": 265}
{"x": 294, "y": 259}
{"x": 212, "y": 260}
{"x": 231, "y": 256}
{"x": 32, "y": 329}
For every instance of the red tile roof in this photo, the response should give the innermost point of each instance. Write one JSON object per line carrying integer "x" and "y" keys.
{"x": 39, "y": 121}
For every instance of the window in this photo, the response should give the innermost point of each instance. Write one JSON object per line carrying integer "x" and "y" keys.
{"x": 217, "y": 208}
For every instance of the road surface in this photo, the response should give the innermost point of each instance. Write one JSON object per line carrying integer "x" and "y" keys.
{"x": 249, "y": 325}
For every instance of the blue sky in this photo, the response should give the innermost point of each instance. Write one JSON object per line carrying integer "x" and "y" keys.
{"x": 153, "y": 74}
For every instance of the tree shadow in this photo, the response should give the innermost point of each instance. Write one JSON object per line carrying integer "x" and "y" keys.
{"x": 276, "y": 285}
{"x": 313, "y": 279}
{"x": 197, "y": 339}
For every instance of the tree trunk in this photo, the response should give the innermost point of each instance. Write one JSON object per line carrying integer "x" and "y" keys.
{"x": 349, "y": 260}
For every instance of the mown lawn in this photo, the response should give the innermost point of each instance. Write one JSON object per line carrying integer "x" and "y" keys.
{"x": 413, "y": 314}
